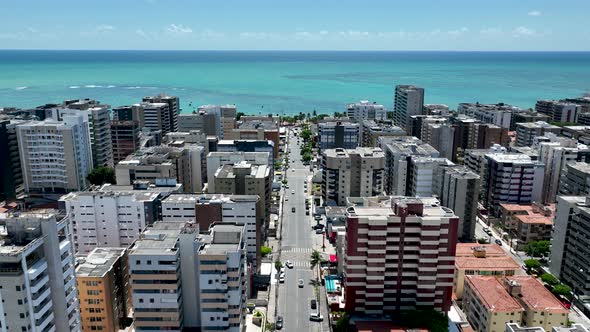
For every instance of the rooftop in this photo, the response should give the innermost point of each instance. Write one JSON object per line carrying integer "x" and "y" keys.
{"x": 515, "y": 158}
{"x": 491, "y": 249}
{"x": 538, "y": 124}
{"x": 536, "y": 296}
{"x": 204, "y": 198}
{"x": 492, "y": 294}
{"x": 159, "y": 238}
{"x": 537, "y": 219}
{"x": 99, "y": 262}
{"x": 365, "y": 152}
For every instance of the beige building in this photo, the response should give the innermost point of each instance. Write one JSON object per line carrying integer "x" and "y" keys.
{"x": 527, "y": 222}
{"x": 102, "y": 279}
{"x": 472, "y": 259}
{"x": 488, "y": 305}
{"x": 491, "y": 303}
{"x": 244, "y": 178}
{"x": 165, "y": 165}
{"x": 352, "y": 173}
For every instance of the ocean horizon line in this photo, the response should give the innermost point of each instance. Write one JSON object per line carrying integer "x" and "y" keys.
{"x": 294, "y": 50}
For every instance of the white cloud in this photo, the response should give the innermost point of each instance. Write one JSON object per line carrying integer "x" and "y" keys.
{"x": 523, "y": 32}
{"x": 534, "y": 13}
{"x": 179, "y": 29}
{"x": 210, "y": 34}
{"x": 257, "y": 35}
{"x": 104, "y": 28}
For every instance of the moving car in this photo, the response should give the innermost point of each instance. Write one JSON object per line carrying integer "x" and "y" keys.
{"x": 293, "y": 209}
{"x": 300, "y": 283}
{"x": 289, "y": 264}
{"x": 498, "y": 242}
{"x": 279, "y": 323}
{"x": 292, "y": 192}
{"x": 314, "y": 304}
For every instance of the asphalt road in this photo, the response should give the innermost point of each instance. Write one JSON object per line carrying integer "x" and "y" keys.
{"x": 296, "y": 245}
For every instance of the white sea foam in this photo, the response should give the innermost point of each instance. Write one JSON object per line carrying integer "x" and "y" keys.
{"x": 92, "y": 86}
{"x": 22, "y": 88}
{"x": 133, "y": 87}
{"x": 111, "y": 86}
{"x": 74, "y": 87}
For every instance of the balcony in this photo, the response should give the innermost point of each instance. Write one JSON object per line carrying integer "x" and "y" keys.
{"x": 36, "y": 269}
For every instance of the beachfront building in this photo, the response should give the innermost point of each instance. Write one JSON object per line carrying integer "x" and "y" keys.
{"x": 173, "y": 109}
{"x": 408, "y": 101}
{"x": 338, "y": 134}
{"x": 365, "y": 110}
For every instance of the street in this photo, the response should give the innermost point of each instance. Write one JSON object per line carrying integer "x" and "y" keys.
{"x": 296, "y": 246}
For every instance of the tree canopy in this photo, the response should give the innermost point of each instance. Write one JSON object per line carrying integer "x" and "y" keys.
{"x": 532, "y": 264}
{"x": 101, "y": 175}
{"x": 562, "y": 289}
{"x": 537, "y": 248}
{"x": 548, "y": 278}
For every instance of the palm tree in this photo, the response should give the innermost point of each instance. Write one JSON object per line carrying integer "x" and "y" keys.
{"x": 315, "y": 260}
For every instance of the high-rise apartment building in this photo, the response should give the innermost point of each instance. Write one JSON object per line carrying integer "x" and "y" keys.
{"x": 575, "y": 179}
{"x": 372, "y": 131}
{"x": 408, "y": 101}
{"x": 38, "y": 281}
{"x": 570, "y": 246}
{"x": 441, "y": 135}
{"x": 248, "y": 146}
{"x": 215, "y": 160}
{"x": 205, "y": 210}
{"x": 156, "y": 117}
{"x": 103, "y": 286}
{"x": 399, "y": 152}
{"x": 55, "y": 156}
{"x": 182, "y": 280}
{"x": 352, "y": 173}
{"x": 109, "y": 218}
{"x": 165, "y": 164}
{"x": 213, "y": 120}
{"x": 399, "y": 255}
{"x": 258, "y": 128}
{"x": 11, "y": 176}
{"x": 511, "y": 178}
{"x": 526, "y": 132}
{"x": 244, "y": 178}
{"x": 126, "y": 139}
{"x": 422, "y": 175}
{"x": 499, "y": 114}
{"x": 133, "y": 112}
{"x": 338, "y": 134}
{"x": 365, "y": 110}
{"x": 173, "y": 109}
{"x": 558, "y": 111}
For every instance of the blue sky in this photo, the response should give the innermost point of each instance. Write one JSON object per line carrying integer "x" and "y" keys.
{"x": 296, "y": 25}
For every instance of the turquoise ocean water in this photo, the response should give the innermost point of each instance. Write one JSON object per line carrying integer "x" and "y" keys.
{"x": 289, "y": 82}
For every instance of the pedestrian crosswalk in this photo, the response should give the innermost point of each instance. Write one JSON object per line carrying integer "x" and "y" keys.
{"x": 298, "y": 250}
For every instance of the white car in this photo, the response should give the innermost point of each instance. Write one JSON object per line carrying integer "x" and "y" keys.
{"x": 282, "y": 278}
{"x": 289, "y": 264}
{"x": 292, "y": 192}
{"x": 300, "y": 283}
{"x": 316, "y": 316}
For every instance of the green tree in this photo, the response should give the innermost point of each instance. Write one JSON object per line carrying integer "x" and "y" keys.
{"x": 265, "y": 251}
{"x": 537, "y": 248}
{"x": 307, "y": 157}
{"x": 278, "y": 265}
{"x": 278, "y": 165}
{"x": 342, "y": 322}
{"x": 562, "y": 289}
{"x": 432, "y": 320}
{"x": 548, "y": 278}
{"x": 101, "y": 175}
{"x": 305, "y": 150}
{"x": 306, "y": 134}
{"x": 482, "y": 240}
{"x": 239, "y": 115}
{"x": 315, "y": 261}
{"x": 531, "y": 264}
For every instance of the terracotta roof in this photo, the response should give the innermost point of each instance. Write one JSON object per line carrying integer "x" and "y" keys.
{"x": 466, "y": 249}
{"x": 535, "y": 219}
{"x": 486, "y": 263}
{"x": 383, "y": 326}
{"x": 536, "y": 296}
{"x": 529, "y": 209}
{"x": 492, "y": 294}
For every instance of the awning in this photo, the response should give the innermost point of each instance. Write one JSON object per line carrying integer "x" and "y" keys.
{"x": 333, "y": 259}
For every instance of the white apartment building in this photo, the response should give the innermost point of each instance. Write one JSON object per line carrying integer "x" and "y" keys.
{"x": 213, "y": 120}
{"x": 498, "y": 114}
{"x": 338, "y": 134}
{"x": 219, "y": 159}
{"x": 559, "y": 111}
{"x": 408, "y": 101}
{"x": 55, "y": 156}
{"x": 39, "y": 291}
{"x": 352, "y": 173}
{"x": 97, "y": 116}
{"x": 421, "y": 178}
{"x": 527, "y": 131}
{"x": 109, "y": 218}
{"x": 365, "y": 110}
{"x": 207, "y": 209}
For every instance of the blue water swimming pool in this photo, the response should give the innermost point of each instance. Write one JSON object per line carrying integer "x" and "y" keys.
{"x": 330, "y": 284}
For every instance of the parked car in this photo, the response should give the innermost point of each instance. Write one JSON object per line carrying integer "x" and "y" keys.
{"x": 317, "y": 226}
{"x": 498, "y": 242}
{"x": 317, "y": 217}
{"x": 300, "y": 283}
{"x": 314, "y": 304}
{"x": 316, "y": 316}
{"x": 279, "y": 323}
{"x": 319, "y": 231}
{"x": 289, "y": 264}
{"x": 293, "y": 209}
{"x": 282, "y": 278}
